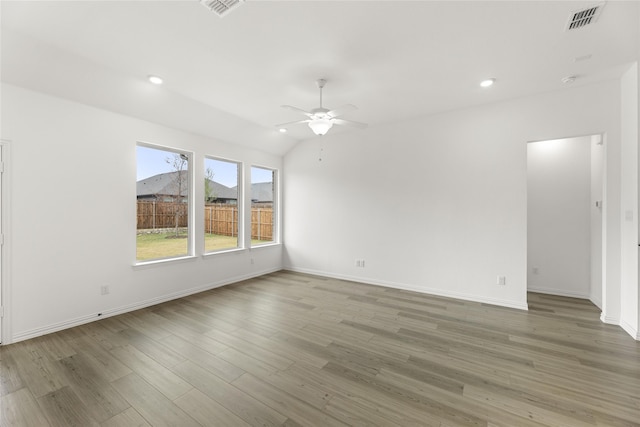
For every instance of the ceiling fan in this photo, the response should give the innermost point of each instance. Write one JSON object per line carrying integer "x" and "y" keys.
{"x": 321, "y": 119}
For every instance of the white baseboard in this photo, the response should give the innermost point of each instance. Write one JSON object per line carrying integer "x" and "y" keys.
{"x": 631, "y": 330}
{"x": 558, "y": 292}
{"x": 596, "y": 301}
{"x": 33, "y": 333}
{"x": 406, "y": 287}
{"x": 609, "y": 320}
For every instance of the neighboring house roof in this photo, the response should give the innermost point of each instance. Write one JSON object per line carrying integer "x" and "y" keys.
{"x": 220, "y": 191}
{"x": 262, "y": 192}
{"x": 168, "y": 183}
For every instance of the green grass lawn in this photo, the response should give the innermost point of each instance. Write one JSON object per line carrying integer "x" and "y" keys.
{"x": 164, "y": 245}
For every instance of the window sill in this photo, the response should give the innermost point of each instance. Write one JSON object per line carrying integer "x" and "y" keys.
{"x": 148, "y": 264}
{"x": 265, "y": 245}
{"x": 223, "y": 251}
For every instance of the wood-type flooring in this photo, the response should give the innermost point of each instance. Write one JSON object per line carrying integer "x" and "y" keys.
{"x": 289, "y": 349}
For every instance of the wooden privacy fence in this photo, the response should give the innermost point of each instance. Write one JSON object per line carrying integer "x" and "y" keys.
{"x": 262, "y": 223}
{"x": 152, "y": 215}
{"x": 218, "y": 219}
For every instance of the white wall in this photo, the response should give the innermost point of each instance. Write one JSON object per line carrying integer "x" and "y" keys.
{"x": 73, "y": 213}
{"x": 439, "y": 204}
{"x": 629, "y": 125}
{"x": 559, "y": 216}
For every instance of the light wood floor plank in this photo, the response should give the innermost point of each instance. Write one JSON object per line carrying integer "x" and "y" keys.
{"x": 284, "y": 402}
{"x": 20, "y": 409}
{"x": 291, "y": 349}
{"x": 98, "y": 397}
{"x": 64, "y": 408}
{"x": 163, "y": 379}
{"x": 207, "y": 411}
{"x": 251, "y": 410}
{"x": 209, "y": 361}
{"x": 40, "y": 373}
{"x": 153, "y": 405}
{"x": 127, "y": 418}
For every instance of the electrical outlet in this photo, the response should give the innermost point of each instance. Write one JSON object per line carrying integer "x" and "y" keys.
{"x": 252, "y": 261}
{"x": 104, "y": 290}
{"x": 536, "y": 270}
{"x": 502, "y": 280}
{"x": 360, "y": 263}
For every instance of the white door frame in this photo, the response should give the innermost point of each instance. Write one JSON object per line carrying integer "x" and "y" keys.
{"x": 603, "y": 235}
{"x": 5, "y": 251}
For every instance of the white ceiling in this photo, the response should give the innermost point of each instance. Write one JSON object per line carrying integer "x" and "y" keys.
{"x": 227, "y": 77}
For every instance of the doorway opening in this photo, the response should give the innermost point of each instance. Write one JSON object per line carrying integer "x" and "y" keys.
{"x": 564, "y": 217}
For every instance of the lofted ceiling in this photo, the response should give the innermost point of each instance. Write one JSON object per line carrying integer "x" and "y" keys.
{"x": 227, "y": 77}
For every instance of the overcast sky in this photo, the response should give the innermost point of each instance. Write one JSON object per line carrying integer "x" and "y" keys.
{"x": 152, "y": 162}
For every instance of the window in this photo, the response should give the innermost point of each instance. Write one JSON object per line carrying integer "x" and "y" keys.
{"x": 221, "y": 207}
{"x": 163, "y": 203}
{"x": 263, "y": 206}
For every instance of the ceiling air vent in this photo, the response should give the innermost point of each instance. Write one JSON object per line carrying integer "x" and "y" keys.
{"x": 221, "y": 7}
{"x": 583, "y": 17}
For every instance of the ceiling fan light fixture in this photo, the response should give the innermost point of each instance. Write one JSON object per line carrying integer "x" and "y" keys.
{"x": 320, "y": 126}
{"x": 156, "y": 80}
{"x": 487, "y": 82}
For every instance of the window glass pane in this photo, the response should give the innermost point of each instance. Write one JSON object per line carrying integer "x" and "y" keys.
{"x": 221, "y": 204}
{"x": 162, "y": 197}
{"x": 262, "y": 205}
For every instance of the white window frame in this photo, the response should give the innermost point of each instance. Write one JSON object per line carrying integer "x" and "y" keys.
{"x": 275, "y": 203}
{"x": 240, "y": 205}
{"x": 190, "y": 206}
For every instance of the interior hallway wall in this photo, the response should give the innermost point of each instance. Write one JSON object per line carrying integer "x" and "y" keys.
{"x": 559, "y": 216}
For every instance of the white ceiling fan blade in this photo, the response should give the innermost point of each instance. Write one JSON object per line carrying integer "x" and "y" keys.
{"x": 284, "y": 125}
{"x": 341, "y": 110}
{"x": 297, "y": 110}
{"x": 349, "y": 123}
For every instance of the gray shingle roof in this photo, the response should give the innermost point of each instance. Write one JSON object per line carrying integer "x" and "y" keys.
{"x": 167, "y": 184}
{"x": 262, "y": 192}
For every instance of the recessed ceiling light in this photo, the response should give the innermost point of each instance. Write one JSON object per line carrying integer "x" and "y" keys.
{"x": 568, "y": 79}
{"x": 155, "y": 80}
{"x": 582, "y": 58}
{"x": 282, "y": 130}
{"x": 487, "y": 83}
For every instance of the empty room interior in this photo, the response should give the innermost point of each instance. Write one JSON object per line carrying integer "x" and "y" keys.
{"x": 319, "y": 213}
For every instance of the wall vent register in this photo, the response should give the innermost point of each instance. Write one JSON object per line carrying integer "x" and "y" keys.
{"x": 583, "y": 17}
{"x": 221, "y": 7}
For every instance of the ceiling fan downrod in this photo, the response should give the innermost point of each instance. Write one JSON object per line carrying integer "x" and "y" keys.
{"x": 321, "y": 83}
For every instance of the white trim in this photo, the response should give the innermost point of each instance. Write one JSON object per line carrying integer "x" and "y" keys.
{"x": 191, "y": 244}
{"x": 595, "y": 302}
{"x": 630, "y": 330}
{"x": 559, "y": 292}
{"x": 132, "y": 307}
{"x": 406, "y": 287}
{"x": 162, "y": 261}
{"x": 609, "y": 320}
{"x": 223, "y": 251}
{"x": 240, "y": 206}
{"x": 275, "y": 232}
{"x": 5, "y": 283}
{"x": 264, "y": 245}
